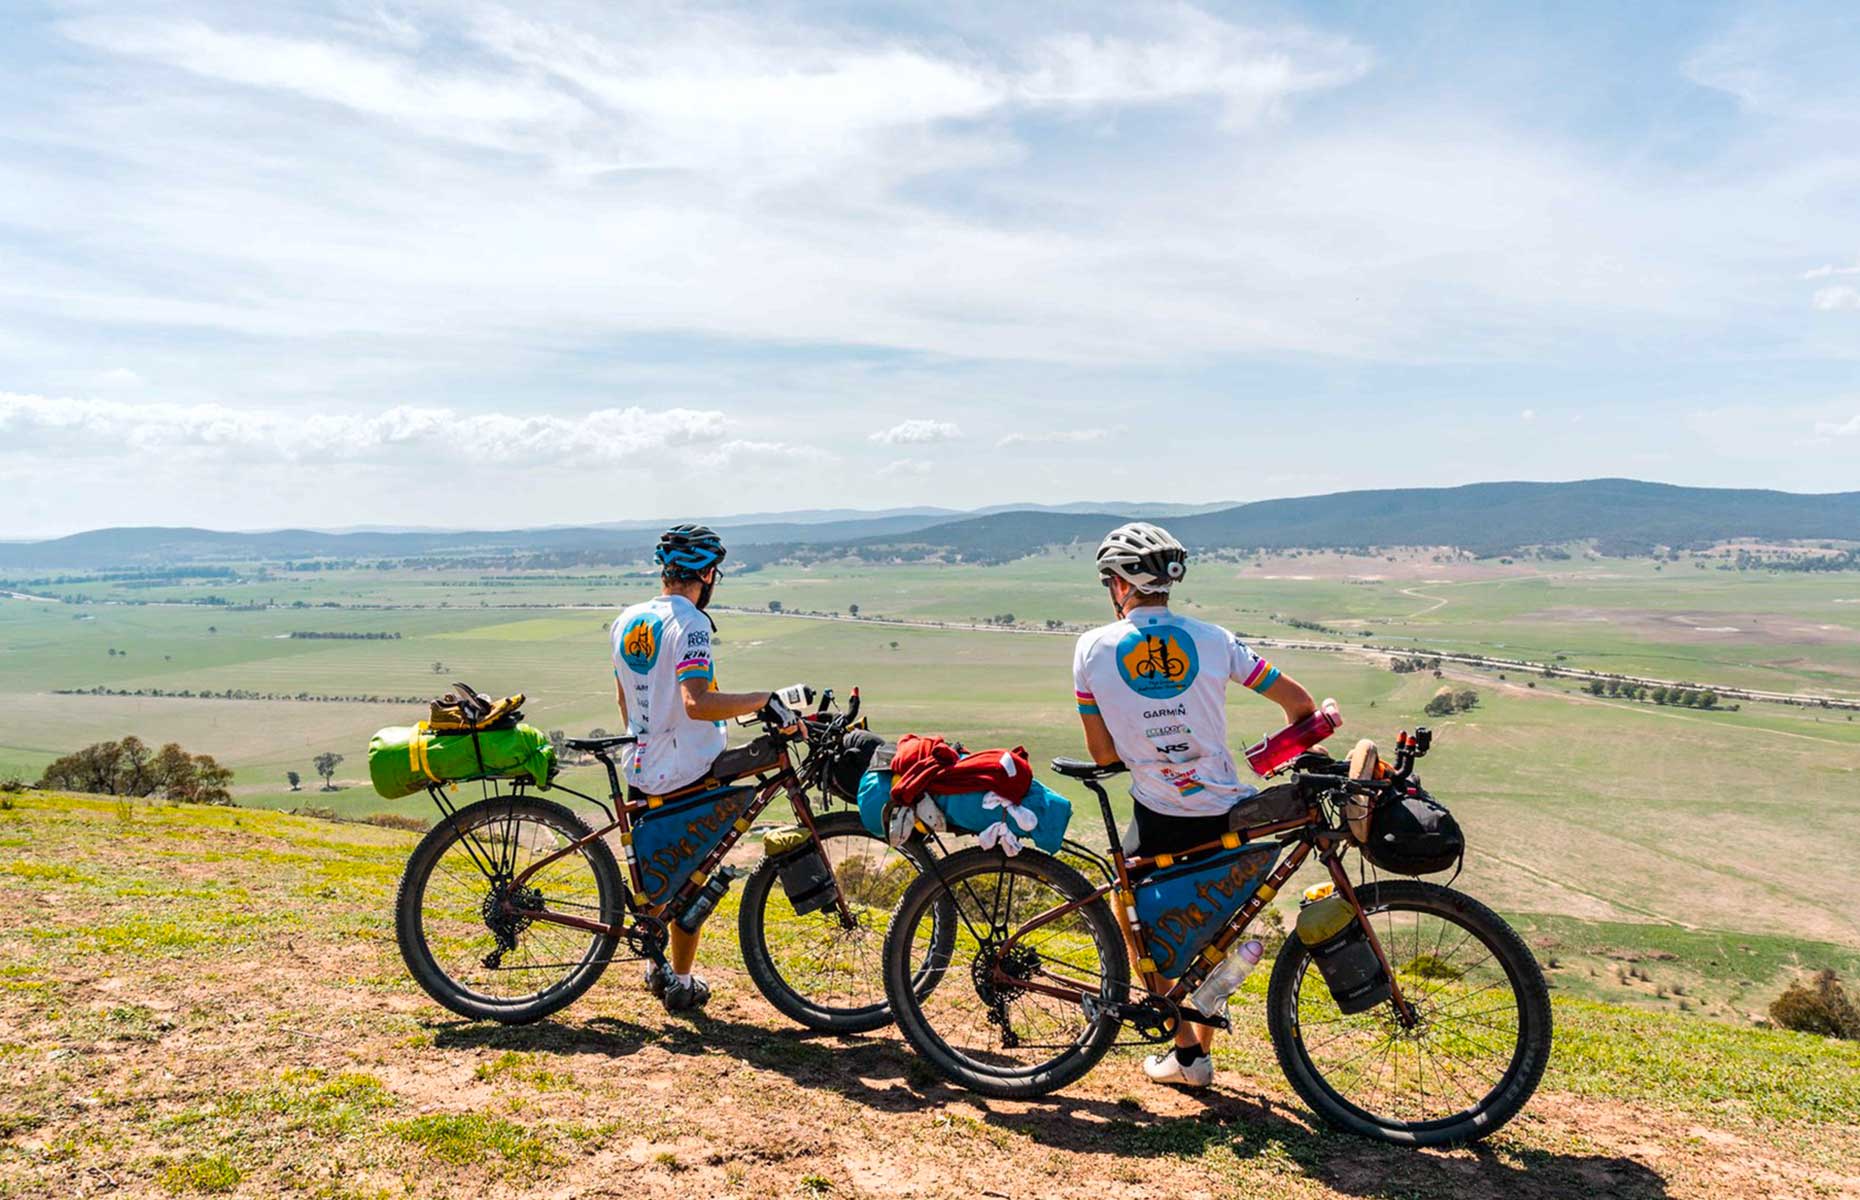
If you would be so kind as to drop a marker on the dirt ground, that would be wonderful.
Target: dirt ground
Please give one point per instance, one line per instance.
(736, 1102)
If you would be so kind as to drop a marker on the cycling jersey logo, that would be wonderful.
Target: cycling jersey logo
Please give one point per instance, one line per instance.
(639, 643)
(1157, 660)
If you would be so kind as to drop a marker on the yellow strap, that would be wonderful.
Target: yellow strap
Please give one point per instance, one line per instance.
(416, 753)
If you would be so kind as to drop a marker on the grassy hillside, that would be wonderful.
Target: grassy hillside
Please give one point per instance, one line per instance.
(209, 1002)
(1622, 516)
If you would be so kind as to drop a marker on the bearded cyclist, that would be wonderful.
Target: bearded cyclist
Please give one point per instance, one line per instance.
(1152, 692)
(665, 682)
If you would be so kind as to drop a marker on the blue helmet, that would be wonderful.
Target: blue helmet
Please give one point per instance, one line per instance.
(687, 551)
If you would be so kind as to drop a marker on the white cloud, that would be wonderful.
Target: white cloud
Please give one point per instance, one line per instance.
(1837, 298)
(1063, 437)
(918, 431)
(1528, 415)
(605, 436)
(1828, 270)
(118, 377)
(1848, 428)
(903, 466)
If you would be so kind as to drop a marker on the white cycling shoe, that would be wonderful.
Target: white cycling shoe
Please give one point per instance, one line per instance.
(1163, 1068)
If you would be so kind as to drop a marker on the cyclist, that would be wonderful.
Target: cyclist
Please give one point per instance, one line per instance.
(1152, 691)
(666, 685)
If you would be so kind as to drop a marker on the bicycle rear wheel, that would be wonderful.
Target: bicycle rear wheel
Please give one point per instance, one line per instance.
(1474, 1057)
(989, 1034)
(481, 961)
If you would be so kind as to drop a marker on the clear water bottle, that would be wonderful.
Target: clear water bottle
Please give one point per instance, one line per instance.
(1226, 978)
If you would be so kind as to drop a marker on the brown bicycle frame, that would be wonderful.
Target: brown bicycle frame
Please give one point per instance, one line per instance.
(783, 779)
(1124, 900)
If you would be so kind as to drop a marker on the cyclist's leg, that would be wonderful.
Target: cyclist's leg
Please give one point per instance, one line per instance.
(683, 949)
(1161, 833)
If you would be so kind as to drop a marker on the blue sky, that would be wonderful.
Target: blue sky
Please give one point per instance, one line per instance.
(279, 264)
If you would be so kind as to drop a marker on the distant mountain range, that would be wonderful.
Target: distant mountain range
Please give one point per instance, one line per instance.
(1618, 516)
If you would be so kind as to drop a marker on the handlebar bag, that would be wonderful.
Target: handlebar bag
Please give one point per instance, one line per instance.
(1182, 907)
(966, 813)
(671, 840)
(404, 759)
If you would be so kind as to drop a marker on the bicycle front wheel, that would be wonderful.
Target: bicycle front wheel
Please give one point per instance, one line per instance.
(969, 1009)
(820, 968)
(1479, 1044)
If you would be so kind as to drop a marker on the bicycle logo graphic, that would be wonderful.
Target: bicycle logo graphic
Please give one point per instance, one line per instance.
(1159, 661)
(639, 644)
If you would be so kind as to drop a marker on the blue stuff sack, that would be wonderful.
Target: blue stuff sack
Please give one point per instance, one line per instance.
(1052, 812)
(670, 841)
(1183, 907)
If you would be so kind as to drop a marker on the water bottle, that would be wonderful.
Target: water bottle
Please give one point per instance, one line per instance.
(1282, 747)
(700, 906)
(1226, 978)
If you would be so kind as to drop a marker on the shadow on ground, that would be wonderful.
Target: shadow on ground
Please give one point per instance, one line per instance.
(884, 1076)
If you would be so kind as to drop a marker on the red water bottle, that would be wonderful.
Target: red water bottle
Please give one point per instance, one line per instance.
(1282, 747)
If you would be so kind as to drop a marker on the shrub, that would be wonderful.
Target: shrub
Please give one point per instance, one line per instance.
(399, 821)
(1819, 1005)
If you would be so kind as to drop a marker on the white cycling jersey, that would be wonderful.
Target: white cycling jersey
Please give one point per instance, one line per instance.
(657, 646)
(1159, 680)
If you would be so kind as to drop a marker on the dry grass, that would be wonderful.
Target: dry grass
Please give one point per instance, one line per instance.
(209, 1002)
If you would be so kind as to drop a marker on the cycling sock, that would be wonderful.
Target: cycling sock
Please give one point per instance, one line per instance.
(1186, 1055)
(683, 980)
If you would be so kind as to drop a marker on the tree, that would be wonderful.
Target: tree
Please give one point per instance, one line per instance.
(325, 765)
(559, 739)
(1466, 700)
(133, 761)
(1595, 687)
(212, 782)
(1709, 699)
(439, 668)
(295, 779)
(852, 610)
(774, 606)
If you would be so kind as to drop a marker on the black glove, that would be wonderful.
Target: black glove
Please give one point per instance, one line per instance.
(778, 714)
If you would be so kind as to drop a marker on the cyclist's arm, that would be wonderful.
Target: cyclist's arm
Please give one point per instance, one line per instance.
(702, 704)
(1098, 741)
(1290, 696)
(626, 722)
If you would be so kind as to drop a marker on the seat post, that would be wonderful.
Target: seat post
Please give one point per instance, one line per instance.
(1110, 819)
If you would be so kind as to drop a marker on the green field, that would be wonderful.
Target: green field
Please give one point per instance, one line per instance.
(1648, 828)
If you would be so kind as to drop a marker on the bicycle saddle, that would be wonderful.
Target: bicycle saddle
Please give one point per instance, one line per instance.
(595, 745)
(1084, 768)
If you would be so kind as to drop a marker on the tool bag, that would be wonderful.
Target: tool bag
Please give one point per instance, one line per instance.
(969, 812)
(404, 759)
(671, 840)
(1184, 906)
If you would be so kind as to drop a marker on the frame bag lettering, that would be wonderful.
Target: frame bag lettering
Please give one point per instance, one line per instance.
(1183, 907)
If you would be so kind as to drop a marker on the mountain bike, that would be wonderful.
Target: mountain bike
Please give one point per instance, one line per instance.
(512, 907)
(1035, 988)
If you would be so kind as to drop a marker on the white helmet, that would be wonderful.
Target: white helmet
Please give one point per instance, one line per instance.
(1143, 555)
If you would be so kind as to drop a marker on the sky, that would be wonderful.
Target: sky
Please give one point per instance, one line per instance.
(472, 264)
